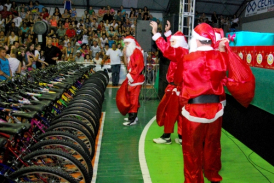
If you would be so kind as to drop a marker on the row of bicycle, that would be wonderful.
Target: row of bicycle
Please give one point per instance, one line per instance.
(49, 121)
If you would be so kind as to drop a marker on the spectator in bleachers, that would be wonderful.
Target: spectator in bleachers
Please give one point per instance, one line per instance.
(214, 19)
(3, 38)
(61, 32)
(12, 38)
(87, 23)
(85, 37)
(123, 11)
(107, 25)
(2, 23)
(111, 10)
(67, 4)
(87, 58)
(5, 13)
(90, 11)
(5, 71)
(85, 15)
(114, 24)
(234, 22)
(53, 23)
(44, 14)
(31, 6)
(111, 32)
(14, 63)
(93, 16)
(101, 13)
(103, 41)
(71, 33)
(145, 17)
(118, 16)
(94, 49)
(14, 29)
(65, 14)
(57, 12)
(105, 49)
(79, 57)
(73, 12)
(110, 41)
(8, 5)
(108, 16)
(1, 6)
(39, 6)
(132, 18)
(52, 53)
(94, 24)
(17, 20)
(97, 60)
(69, 49)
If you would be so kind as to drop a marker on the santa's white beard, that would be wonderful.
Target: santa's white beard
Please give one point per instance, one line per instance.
(130, 48)
(192, 45)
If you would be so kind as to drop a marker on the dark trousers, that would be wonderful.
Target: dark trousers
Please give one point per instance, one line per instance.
(115, 72)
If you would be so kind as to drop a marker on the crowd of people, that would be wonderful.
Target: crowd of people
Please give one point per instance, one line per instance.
(227, 23)
(73, 36)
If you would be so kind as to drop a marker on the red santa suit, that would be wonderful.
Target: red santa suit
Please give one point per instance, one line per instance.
(127, 98)
(203, 74)
(168, 111)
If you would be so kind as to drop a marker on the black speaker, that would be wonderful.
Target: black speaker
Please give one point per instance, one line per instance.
(144, 35)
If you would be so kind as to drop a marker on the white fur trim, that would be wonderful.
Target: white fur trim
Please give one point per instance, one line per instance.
(176, 91)
(197, 36)
(168, 33)
(156, 36)
(218, 36)
(136, 84)
(129, 40)
(223, 102)
(130, 79)
(186, 114)
(180, 42)
(204, 48)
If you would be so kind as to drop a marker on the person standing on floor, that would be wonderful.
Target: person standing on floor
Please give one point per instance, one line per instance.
(203, 75)
(127, 98)
(115, 61)
(168, 111)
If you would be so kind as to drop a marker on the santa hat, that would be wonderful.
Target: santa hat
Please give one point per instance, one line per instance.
(131, 39)
(204, 32)
(180, 40)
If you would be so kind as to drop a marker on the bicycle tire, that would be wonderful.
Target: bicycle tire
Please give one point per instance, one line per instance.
(91, 108)
(73, 139)
(77, 151)
(67, 126)
(57, 153)
(41, 169)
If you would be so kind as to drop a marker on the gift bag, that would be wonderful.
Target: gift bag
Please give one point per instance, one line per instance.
(122, 98)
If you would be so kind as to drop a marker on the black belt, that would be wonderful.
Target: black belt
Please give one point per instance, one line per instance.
(172, 83)
(203, 99)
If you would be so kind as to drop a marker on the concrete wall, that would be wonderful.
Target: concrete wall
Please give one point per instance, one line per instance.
(258, 23)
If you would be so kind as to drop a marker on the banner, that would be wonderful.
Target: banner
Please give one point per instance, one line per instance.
(259, 6)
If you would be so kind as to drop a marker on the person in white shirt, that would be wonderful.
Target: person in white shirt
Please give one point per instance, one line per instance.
(14, 63)
(8, 5)
(95, 48)
(115, 61)
(103, 41)
(17, 20)
(97, 60)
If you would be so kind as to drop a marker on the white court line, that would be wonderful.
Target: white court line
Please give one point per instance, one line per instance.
(96, 162)
(142, 157)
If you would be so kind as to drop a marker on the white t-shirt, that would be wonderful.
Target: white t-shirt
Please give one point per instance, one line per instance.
(8, 6)
(85, 39)
(14, 63)
(114, 56)
(98, 62)
(103, 42)
(95, 50)
(36, 52)
(17, 21)
(1, 7)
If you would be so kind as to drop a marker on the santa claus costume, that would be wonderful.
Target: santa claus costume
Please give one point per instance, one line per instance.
(203, 74)
(127, 98)
(168, 111)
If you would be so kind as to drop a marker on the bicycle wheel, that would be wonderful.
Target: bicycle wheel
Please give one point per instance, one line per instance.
(88, 120)
(64, 136)
(90, 108)
(78, 131)
(66, 147)
(41, 174)
(56, 158)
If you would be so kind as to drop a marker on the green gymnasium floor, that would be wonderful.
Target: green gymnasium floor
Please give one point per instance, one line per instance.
(121, 152)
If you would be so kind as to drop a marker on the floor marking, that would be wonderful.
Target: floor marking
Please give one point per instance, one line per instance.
(98, 148)
(142, 157)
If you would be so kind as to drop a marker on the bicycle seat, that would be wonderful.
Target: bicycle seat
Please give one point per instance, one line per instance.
(24, 126)
(51, 97)
(38, 107)
(46, 103)
(13, 129)
(28, 115)
(3, 141)
(60, 85)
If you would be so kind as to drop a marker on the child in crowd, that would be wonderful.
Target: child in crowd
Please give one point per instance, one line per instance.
(87, 58)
